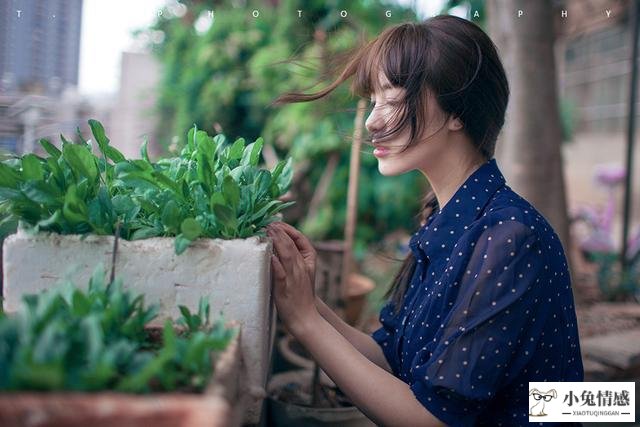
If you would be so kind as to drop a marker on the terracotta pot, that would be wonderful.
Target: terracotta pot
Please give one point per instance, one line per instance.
(221, 405)
(359, 287)
(294, 354)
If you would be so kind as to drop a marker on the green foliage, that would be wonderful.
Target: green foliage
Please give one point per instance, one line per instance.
(614, 283)
(226, 75)
(69, 339)
(211, 189)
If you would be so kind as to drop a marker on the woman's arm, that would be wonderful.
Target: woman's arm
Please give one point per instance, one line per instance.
(384, 398)
(364, 343)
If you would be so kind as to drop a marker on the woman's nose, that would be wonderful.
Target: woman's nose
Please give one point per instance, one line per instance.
(373, 122)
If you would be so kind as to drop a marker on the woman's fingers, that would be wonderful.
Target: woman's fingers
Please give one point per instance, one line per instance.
(277, 269)
(303, 245)
(286, 250)
(301, 241)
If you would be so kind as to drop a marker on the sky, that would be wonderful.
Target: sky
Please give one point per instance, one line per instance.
(106, 33)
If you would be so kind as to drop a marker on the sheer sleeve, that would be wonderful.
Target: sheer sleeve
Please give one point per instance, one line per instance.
(386, 334)
(493, 327)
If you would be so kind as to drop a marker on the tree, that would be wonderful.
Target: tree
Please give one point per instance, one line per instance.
(530, 151)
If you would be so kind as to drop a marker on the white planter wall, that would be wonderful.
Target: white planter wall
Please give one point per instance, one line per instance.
(234, 274)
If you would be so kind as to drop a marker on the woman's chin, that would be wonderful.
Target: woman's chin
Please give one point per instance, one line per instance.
(387, 169)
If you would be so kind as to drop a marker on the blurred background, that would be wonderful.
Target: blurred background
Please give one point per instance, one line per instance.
(153, 68)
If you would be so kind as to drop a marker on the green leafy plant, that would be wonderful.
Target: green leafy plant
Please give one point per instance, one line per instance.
(69, 339)
(213, 188)
(244, 65)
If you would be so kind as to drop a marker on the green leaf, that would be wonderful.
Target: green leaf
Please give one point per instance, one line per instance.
(8, 176)
(41, 192)
(205, 173)
(201, 139)
(74, 209)
(186, 314)
(171, 216)
(225, 215)
(32, 167)
(80, 303)
(181, 244)
(113, 154)
(80, 137)
(231, 192)
(216, 199)
(237, 149)
(262, 184)
(166, 182)
(143, 150)
(65, 140)
(80, 160)
(256, 150)
(11, 194)
(203, 309)
(126, 207)
(49, 222)
(191, 228)
(99, 134)
(145, 233)
(51, 149)
(191, 138)
(277, 170)
(284, 180)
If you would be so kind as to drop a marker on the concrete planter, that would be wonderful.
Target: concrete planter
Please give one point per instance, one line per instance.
(233, 274)
(219, 406)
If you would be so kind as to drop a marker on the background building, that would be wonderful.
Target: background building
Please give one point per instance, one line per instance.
(39, 45)
(594, 67)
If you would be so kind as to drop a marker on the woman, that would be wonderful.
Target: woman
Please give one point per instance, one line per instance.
(483, 303)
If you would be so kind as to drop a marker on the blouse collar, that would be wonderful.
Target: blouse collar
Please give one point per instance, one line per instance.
(445, 226)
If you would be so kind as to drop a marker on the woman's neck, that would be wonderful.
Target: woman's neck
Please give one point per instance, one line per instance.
(448, 175)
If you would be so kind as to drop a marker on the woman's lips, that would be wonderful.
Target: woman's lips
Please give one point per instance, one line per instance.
(380, 151)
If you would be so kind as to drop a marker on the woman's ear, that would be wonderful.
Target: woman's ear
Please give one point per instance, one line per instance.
(455, 123)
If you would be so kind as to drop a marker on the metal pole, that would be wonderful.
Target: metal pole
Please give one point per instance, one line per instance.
(630, 135)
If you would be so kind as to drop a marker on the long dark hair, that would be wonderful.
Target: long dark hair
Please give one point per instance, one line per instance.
(449, 57)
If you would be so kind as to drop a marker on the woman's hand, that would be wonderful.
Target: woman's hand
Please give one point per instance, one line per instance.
(293, 270)
(304, 246)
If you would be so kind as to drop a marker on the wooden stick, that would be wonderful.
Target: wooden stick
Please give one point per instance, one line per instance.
(352, 203)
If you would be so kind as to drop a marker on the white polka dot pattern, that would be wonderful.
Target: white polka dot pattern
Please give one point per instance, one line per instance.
(489, 307)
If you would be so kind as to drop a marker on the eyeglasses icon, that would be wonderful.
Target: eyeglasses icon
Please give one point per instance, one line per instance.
(546, 398)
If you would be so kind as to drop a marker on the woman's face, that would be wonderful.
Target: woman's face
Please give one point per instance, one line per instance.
(391, 161)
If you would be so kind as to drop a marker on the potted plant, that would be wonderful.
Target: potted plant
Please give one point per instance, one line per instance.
(189, 226)
(79, 358)
(307, 397)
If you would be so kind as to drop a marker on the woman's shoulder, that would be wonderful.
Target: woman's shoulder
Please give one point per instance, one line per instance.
(507, 206)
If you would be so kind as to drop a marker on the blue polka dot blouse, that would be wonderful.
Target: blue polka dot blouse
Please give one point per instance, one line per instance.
(488, 308)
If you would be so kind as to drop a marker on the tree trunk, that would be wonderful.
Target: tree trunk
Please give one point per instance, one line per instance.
(530, 152)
